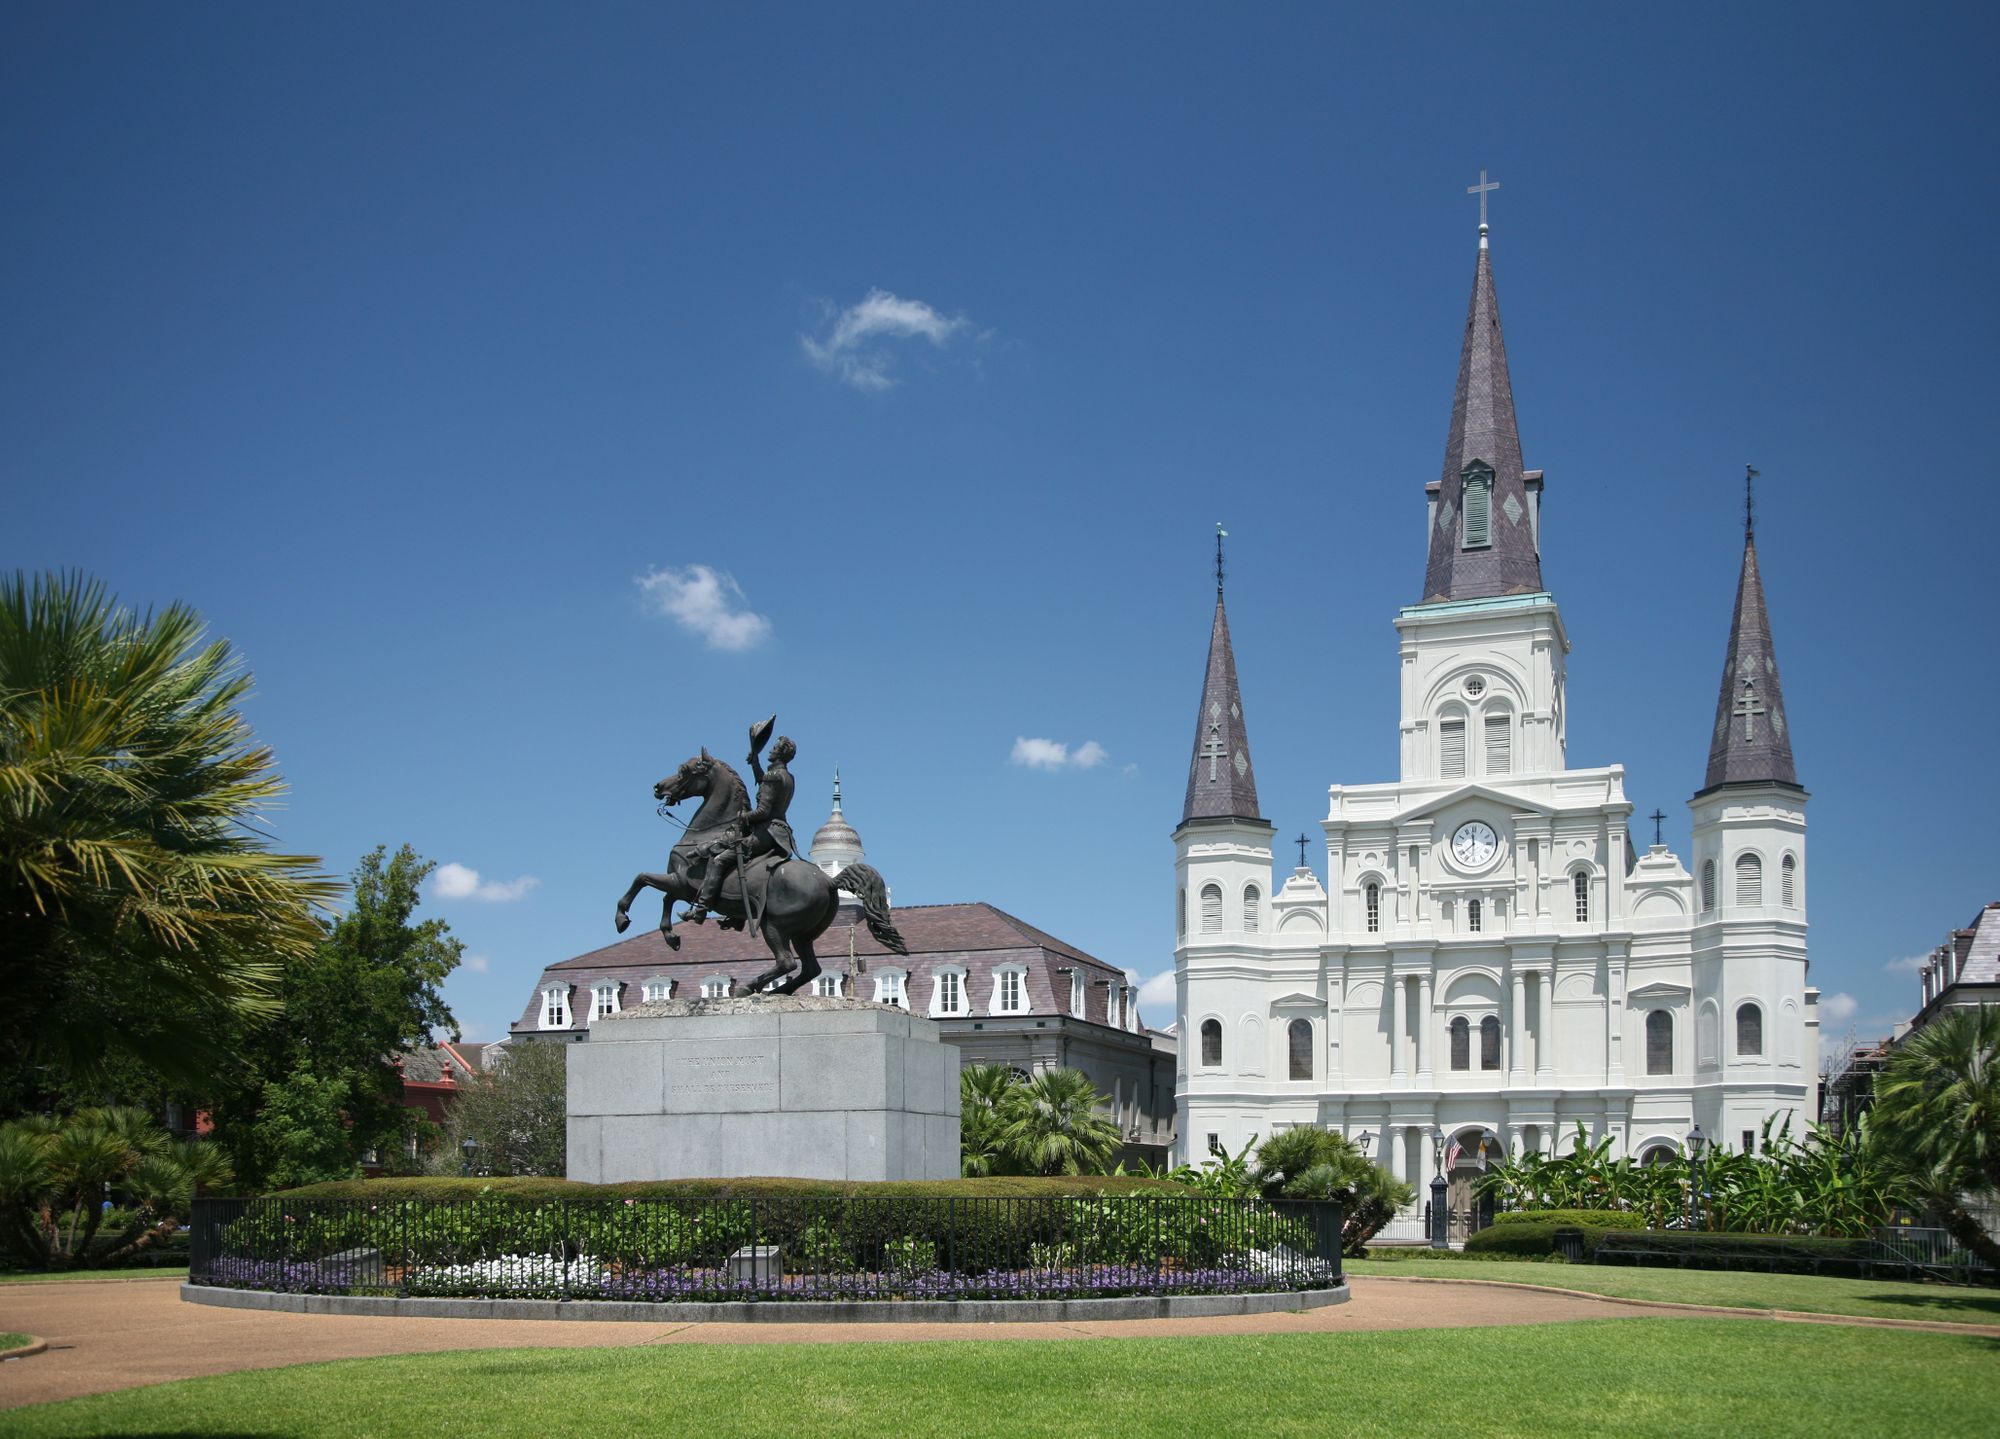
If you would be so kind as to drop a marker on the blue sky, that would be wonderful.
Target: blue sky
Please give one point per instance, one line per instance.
(428, 349)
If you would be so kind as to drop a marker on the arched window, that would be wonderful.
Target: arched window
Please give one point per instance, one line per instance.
(603, 1000)
(1749, 879)
(1451, 747)
(555, 1007)
(1788, 882)
(1489, 1043)
(1708, 887)
(656, 989)
(1374, 898)
(1472, 915)
(1476, 496)
(716, 986)
(1180, 913)
(948, 992)
(827, 986)
(1250, 899)
(1211, 909)
(1461, 1043)
(1299, 1039)
(1211, 1043)
(892, 987)
(1499, 731)
(1658, 1154)
(1659, 1042)
(1580, 882)
(1749, 1030)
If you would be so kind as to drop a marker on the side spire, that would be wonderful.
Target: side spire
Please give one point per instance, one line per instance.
(1485, 521)
(1221, 782)
(1752, 743)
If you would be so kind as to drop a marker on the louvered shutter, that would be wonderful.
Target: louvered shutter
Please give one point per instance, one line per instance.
(1451, 749)
(1211, 909)
(1499, 744)
(1749, 880)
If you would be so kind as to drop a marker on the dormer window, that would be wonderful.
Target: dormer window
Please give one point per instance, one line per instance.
(1476, 507)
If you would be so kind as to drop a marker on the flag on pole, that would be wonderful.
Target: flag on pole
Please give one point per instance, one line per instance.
(1452, 1154)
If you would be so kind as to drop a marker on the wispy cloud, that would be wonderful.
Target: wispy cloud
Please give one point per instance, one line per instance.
(707, 603)
(457, 881)
(1908, 964)
(1838, 1007)
(857, 346)
(477, 963)
(1049, 754)
(1157, 995)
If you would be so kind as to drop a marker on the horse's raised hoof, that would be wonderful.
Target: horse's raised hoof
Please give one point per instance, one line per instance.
(624, 921)
(673, 940)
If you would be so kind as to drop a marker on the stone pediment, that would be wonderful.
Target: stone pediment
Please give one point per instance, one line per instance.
(1658, 989)
(1296, 1000)
(1512, 803)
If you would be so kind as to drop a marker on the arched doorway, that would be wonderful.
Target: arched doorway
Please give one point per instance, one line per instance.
(1469, 1156)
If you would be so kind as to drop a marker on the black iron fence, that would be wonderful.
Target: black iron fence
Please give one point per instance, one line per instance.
(773, 1247)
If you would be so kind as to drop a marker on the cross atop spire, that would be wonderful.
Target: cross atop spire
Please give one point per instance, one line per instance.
(1485, 185)
(1752, 740)
(1750, 473)
(1221, 783)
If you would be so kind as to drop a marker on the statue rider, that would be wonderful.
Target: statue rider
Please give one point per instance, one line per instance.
(759, 832)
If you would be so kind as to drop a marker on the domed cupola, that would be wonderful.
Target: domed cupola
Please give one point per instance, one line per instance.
(836, 845)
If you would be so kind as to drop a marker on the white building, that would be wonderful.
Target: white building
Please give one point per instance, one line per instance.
(1487, 956)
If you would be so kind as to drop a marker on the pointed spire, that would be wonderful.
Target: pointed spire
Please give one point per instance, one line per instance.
(1752, 743)
(1495, 550)
(836, 789)
(1221, 782)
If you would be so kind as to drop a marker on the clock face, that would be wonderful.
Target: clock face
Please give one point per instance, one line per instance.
(1475, 844)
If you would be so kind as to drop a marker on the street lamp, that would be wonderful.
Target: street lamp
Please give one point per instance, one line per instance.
(1440, 1211)
(468, 1147)
(1696, 1142)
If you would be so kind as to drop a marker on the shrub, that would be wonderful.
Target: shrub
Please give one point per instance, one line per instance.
(1536, 1239)
(1776, 1253)
(1596, 1217)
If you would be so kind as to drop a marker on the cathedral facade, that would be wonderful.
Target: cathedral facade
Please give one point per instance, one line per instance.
(1488, 963)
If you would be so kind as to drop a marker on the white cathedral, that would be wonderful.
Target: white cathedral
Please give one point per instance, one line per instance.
(1489, 961)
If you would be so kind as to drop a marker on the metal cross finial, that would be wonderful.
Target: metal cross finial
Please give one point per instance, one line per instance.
(1481, 190)
(1220, 535)
(1302, 849)
(1750, 473)
(1658, 818)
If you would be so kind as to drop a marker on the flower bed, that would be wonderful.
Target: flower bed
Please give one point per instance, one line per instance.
(769, 1248)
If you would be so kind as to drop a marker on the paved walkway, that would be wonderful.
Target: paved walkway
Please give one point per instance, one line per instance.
(118, 1335)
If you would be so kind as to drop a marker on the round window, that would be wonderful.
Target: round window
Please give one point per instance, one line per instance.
(1475, 687)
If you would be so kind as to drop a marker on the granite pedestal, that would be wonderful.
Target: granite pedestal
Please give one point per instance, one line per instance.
(797, 1087)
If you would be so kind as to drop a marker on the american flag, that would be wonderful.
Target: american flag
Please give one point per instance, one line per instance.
(1452, 1153)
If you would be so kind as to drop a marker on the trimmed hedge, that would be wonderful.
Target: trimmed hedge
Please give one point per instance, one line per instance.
(438, 1190)
(1536, 1239)
(1774, 1253)
(1592, 1218)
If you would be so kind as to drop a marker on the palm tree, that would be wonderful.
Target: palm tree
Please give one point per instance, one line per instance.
(1050, 1125)
(1937, 1115)
(140, 914)
(981, 1090)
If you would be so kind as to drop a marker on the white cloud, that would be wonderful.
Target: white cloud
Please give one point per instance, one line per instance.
(855, 347)
(1050, 754)
(477, 963)
(706, 603)
(457, 881)
(1157, 994)
(1838, 1007)
(1908, 964)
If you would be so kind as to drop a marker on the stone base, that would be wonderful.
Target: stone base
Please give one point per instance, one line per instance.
(779, 1086)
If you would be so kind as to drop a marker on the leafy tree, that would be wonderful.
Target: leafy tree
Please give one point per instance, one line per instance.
(56, 1174)
(516, 1112)
(141, 914)
(323, 1087)
(1050, 1125)
(1937, 1119)
(1306, 1162)
(982, 1088)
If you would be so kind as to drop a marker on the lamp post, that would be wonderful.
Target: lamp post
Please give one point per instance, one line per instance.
(1440, 1211)
(1696, 1142)
(468, 1147)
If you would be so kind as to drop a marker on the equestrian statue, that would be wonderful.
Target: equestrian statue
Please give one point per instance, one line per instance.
(737, 861)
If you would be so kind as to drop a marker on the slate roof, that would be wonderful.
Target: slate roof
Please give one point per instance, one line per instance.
(1222, 782)
(1752, 742)
(1978, 946)
(1483, 428)
(975, 937)
(439, 1063)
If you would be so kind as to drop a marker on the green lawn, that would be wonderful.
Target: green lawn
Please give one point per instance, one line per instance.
(12, 1341)
(1874, 1298)
(1640, 1376)
(32, 1276)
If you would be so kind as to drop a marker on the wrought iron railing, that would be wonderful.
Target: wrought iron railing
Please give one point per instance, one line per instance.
(776, 1247)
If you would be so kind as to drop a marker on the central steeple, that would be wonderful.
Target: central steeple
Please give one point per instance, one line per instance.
(1221, 783)
(1485, 508)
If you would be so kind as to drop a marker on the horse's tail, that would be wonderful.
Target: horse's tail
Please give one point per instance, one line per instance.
(862, 881)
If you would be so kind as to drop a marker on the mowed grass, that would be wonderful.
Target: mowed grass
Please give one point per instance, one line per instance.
(1809, 1293)
(13, 1341)
(71, 1276)
(1723, 1377)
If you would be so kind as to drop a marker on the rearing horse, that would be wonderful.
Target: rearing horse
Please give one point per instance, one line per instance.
(797, 901)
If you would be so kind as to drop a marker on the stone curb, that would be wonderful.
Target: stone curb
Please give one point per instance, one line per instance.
(1790, 1316)
(914, 1311)
(33, 1346)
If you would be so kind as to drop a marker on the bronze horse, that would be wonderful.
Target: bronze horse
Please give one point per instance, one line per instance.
(795, 899)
